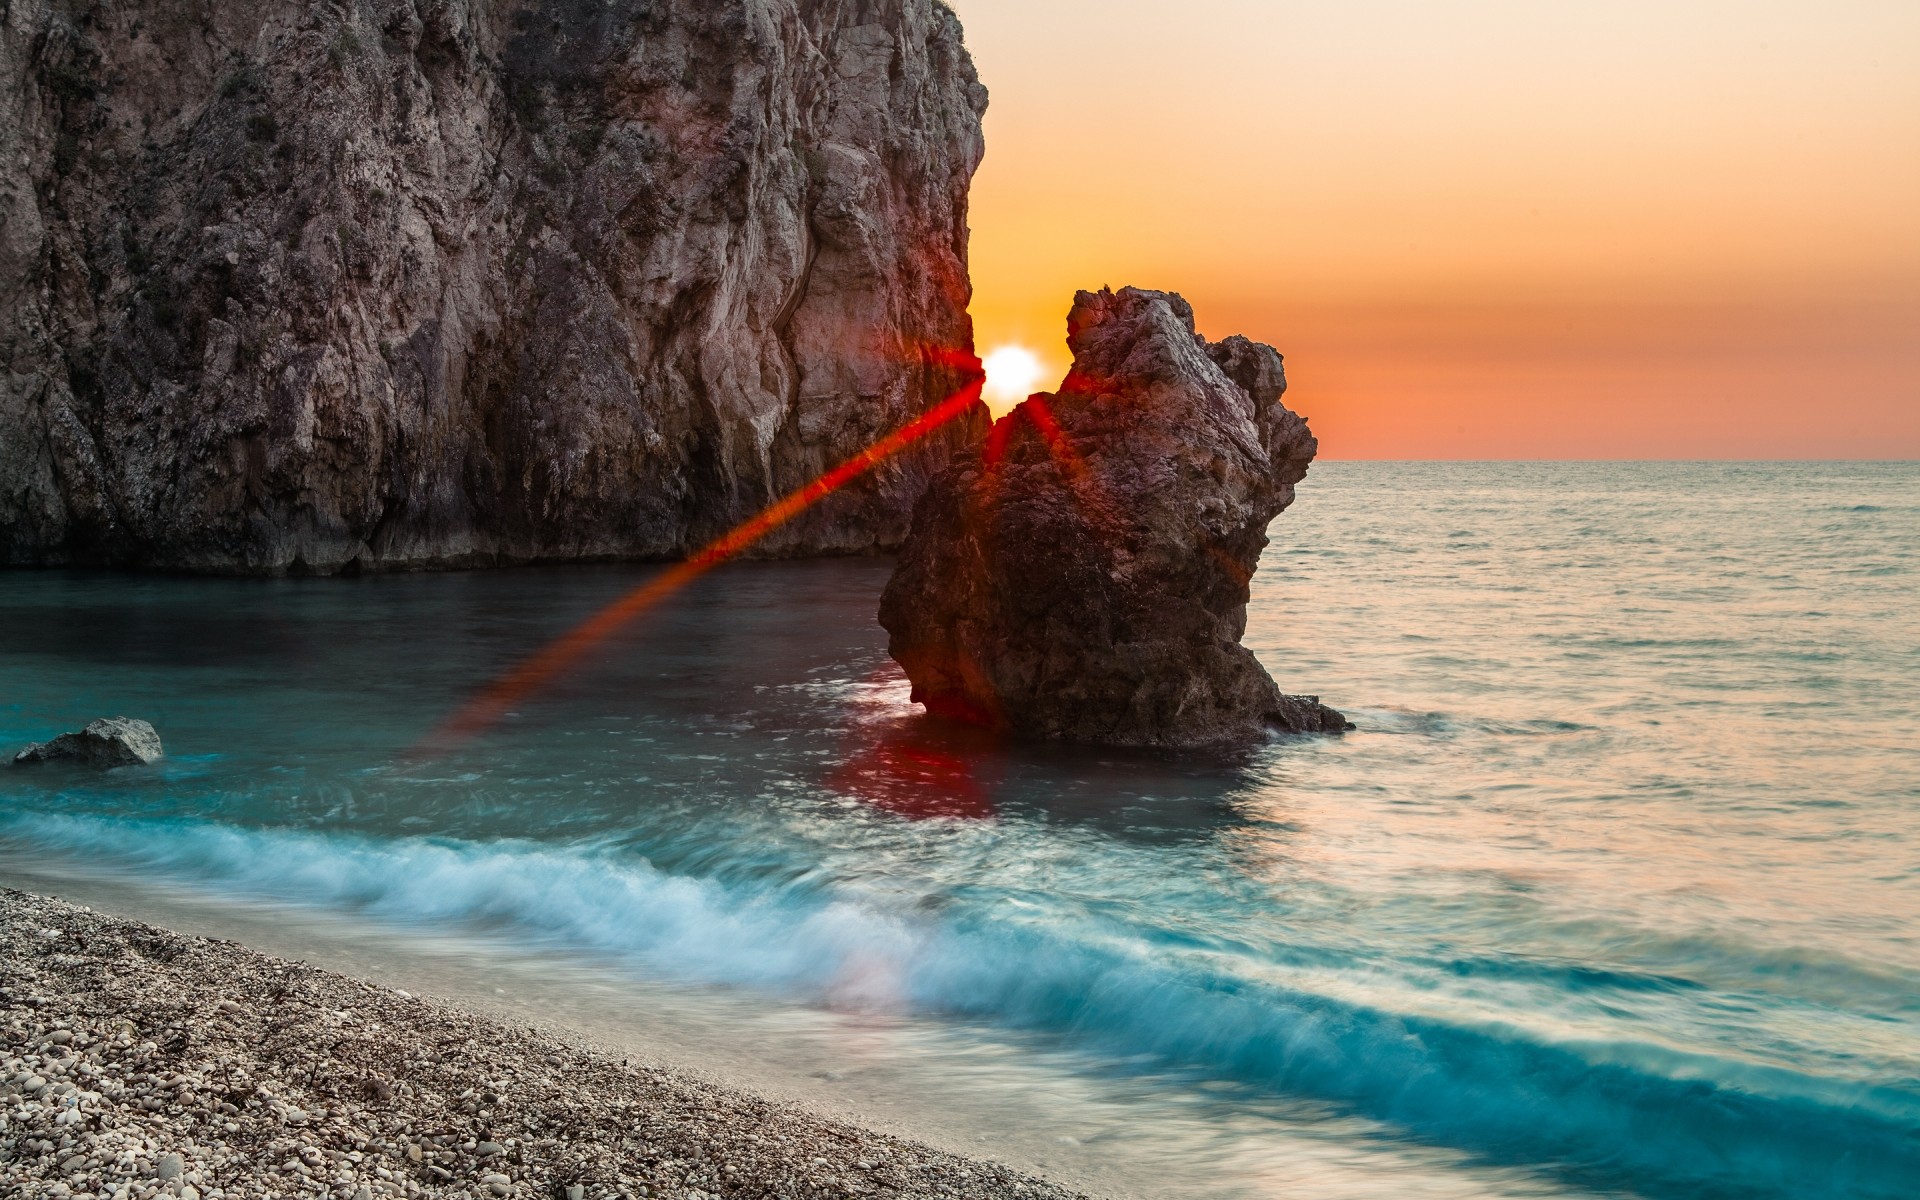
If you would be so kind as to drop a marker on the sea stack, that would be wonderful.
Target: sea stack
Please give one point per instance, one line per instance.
(1084, 575)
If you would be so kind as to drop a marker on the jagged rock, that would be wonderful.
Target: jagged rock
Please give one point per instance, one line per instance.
(311, 287)
(1085, 577)
(108, 742)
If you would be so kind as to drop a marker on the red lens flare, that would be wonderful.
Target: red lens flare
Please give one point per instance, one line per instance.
(996, 448)
(1036, 410)
(913, 767)
(964, 361)
(967, 696)
(1058, 445)
(910, 778)
(485, 710)
(922, 771)
(1086, 488)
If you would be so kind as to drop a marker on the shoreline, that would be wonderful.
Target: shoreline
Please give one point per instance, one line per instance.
(261, 1076)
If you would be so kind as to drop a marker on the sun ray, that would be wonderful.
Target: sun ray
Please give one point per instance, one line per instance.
(536, 673)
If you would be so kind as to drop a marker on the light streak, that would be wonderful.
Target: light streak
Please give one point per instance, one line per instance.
(501, 697)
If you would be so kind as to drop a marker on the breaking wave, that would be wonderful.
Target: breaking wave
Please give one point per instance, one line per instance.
(1679, 1123)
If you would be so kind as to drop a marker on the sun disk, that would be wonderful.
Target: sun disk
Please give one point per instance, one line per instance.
(1012, 374)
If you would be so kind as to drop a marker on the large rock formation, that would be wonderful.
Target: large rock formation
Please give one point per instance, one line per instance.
(1086, 577)
(294, 286)
(108, 742)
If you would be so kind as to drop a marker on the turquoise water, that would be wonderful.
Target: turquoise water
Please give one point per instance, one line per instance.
(1615, 891)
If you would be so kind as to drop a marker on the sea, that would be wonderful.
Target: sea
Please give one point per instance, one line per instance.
(1614, 891)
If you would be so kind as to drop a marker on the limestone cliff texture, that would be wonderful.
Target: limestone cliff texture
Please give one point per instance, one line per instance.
(1085, 576)
(288, 286)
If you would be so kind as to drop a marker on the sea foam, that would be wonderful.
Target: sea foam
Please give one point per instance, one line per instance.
(1682, 1123)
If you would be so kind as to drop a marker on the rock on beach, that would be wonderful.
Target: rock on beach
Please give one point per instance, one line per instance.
(108, 742)
(1085, 576)
(140, 1064)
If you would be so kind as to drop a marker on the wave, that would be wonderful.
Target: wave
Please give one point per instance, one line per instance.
(1655, 1119)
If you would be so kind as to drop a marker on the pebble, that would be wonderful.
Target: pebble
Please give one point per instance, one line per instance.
(258, 1088)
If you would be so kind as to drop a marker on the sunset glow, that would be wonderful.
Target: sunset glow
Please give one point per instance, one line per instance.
(990, 599)
(1013, 372)
(1482, 229)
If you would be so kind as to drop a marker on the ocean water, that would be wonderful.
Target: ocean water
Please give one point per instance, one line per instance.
(1614, 892)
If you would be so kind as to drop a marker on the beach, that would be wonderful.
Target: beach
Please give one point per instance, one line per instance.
(1610, 894)
(137, 1062)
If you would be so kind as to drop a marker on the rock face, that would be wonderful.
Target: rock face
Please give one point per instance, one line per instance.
(1086, 576)
(307, 287)
(108, 742)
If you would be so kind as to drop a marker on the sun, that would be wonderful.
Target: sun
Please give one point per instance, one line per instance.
(1012, 374)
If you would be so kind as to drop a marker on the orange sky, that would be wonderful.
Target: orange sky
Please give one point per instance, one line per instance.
(1483, 228)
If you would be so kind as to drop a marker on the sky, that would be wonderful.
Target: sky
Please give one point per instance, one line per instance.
(1482, 229)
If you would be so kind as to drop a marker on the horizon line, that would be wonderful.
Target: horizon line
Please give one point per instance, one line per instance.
(1896, 462)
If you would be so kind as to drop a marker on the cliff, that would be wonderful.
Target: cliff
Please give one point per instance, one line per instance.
(1085, 575)
(312, 287)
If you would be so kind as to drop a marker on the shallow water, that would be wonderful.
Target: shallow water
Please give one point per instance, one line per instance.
(1615, 890)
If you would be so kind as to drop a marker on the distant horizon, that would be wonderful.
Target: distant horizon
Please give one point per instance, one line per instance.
(1480, 230)
(1324, 459)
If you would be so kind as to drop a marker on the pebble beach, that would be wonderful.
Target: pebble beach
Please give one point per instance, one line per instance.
(138, 1063)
